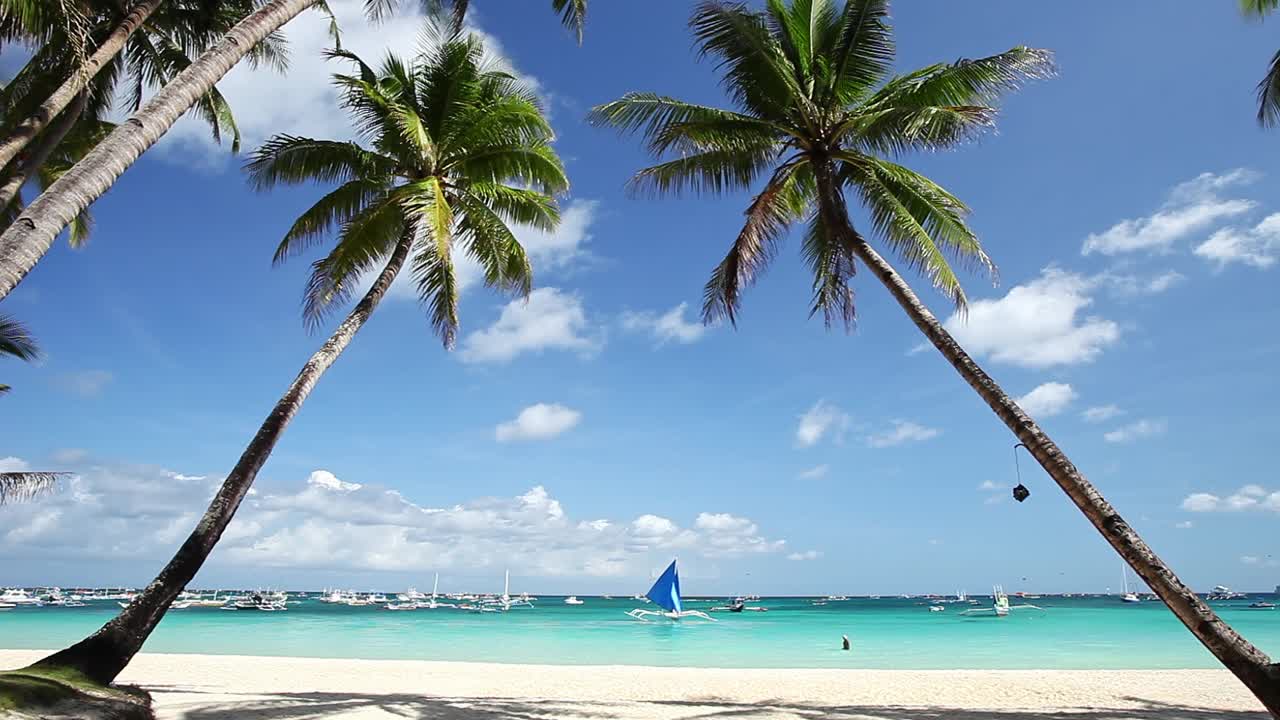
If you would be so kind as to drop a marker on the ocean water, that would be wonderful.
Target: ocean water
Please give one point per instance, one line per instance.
(1069, 633)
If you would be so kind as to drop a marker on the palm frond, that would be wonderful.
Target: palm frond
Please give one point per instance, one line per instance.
(520, 206)
(489, 240)
(573, 15)
(713, 172)
(332, 211)
(363, 241)
(863, 51)
(916, 216)
(16, 341)
(18, 486)
(291, 160)
(756, 72)
(438, 289)
(831, 260)
(783, 201)
(1258, 9)
(1269, 94)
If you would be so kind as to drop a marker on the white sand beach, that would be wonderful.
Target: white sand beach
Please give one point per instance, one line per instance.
(224, 687)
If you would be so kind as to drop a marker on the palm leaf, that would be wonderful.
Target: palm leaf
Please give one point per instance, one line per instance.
(16, 341)
(1269, 94)
(830, 257)
(18, 486)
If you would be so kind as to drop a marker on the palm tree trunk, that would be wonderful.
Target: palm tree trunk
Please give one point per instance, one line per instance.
(102, 655)
(32, 233)
(28, 166)
(1249, 664)
(25, 132)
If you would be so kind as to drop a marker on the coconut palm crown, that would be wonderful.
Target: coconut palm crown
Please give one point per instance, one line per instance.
(453, 149)
(817, 114)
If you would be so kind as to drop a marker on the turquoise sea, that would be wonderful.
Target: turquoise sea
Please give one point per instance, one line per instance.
(1070, 633)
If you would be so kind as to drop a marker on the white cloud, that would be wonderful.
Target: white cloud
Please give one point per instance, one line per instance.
(670, 326)
(815, 473)
(818, 421)
(806, 555)
(1192, 206)
(1135, 431)
(1048, 399)
(69, 456)
(141, 513)
(13, 465)
(1036, 325)
(903, 431)
(550, 319)
(1101, 413)
(1250, 559)
(991, 485)
(1249, 497)
(1127, 285)
(85, 383)
(1184, 525)
(538, 422)
(1258, 246)
(311, 109)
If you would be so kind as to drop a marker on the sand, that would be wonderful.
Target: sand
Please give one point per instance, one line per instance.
(225, 687)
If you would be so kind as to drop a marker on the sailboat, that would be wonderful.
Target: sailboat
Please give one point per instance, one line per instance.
(665, 593)
(1129, 597)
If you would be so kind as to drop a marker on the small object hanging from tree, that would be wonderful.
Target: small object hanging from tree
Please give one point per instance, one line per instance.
(1020, 492)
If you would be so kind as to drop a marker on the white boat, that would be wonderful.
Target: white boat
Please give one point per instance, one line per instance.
(7, 606)
(936, 608)
(1127, 597)
(1000, 606)
(665, 593)
(256, 601)
(17, 597)
(836, 598)
(572, 600)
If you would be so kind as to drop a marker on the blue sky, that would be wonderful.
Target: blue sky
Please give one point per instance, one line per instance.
(586, 437)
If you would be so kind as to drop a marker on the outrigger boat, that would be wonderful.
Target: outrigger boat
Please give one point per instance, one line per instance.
(665, 593)
(1000, 606)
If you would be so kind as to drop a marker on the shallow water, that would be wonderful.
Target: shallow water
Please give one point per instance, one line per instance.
(1069, 633)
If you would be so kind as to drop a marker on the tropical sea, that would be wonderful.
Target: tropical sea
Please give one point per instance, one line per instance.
(897, 633)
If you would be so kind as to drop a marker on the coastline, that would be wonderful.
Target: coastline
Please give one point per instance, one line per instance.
(222, 687)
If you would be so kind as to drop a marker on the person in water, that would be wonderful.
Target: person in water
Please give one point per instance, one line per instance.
(846, 641)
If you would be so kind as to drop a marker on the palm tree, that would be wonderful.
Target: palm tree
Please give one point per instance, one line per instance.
(28, 239)
(817, 115)
(453, 151)
(1269, 87)
(146, 45)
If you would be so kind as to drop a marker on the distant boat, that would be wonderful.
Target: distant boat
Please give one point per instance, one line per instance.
(1128, 597)
(665, 593)
(936, 608)
(1262, 605)
(572, 600)
(19, 597)
(1000, 606)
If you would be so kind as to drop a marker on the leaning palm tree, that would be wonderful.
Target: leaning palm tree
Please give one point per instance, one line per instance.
(29, 238)
(818, 117)
(454, 151)
(1269, 87)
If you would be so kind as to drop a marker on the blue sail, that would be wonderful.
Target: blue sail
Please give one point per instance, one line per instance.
(665, 593)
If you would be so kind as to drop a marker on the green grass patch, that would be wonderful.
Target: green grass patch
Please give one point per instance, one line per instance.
(32, 689)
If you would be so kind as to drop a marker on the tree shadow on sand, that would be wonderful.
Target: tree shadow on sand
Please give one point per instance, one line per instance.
(317, 705)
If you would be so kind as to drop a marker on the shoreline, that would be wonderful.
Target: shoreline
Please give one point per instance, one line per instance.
(222, 687)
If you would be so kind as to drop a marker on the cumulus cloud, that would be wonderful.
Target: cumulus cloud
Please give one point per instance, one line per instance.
(1249, 497)
(1038, 324)
(1184, 525)
(671, 326)
(1128, 285)
(13, 465)
(538, 422)
(819, 421)
(1048, 399)
(1101, 413)
(806, 555)
(1192, 206)
(1258, 246)
(550, 319)
(312, 107)
(815, 473)
(85, 383)
(902, 432)
(1136, 431)
(326, 523)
